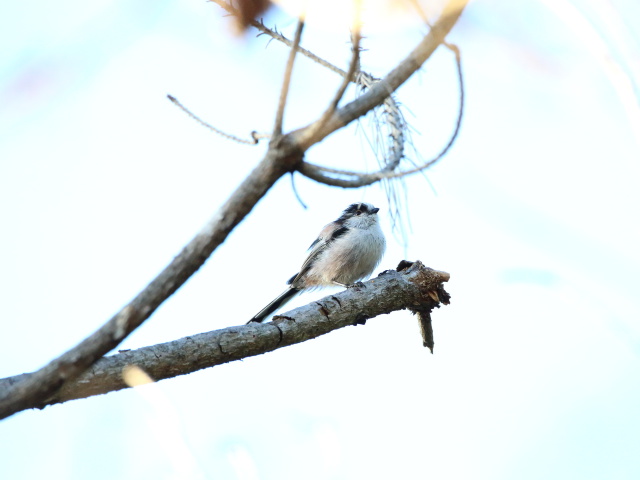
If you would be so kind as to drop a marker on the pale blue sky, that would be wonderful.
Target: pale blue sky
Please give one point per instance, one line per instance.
(534, 213)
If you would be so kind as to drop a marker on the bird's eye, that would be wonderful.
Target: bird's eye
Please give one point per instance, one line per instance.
(359, 212)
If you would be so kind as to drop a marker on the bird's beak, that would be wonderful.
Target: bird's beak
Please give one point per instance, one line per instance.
(375, 210)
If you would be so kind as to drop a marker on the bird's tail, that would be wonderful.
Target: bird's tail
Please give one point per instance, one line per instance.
(280, 300)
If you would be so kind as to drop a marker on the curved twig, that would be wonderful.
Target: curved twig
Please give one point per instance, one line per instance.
(295, 191)
(255, 136)
(349, 179)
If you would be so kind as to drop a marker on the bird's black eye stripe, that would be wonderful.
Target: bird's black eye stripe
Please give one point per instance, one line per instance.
(352, 210)
(355, 207)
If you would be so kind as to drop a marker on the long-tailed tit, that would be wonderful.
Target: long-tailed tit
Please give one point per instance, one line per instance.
(345, 252)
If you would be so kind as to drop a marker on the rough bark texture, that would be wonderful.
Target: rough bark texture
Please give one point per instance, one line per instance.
(390, 291)
(33, 389)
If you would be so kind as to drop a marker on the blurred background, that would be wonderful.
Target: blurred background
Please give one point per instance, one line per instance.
(534, 212)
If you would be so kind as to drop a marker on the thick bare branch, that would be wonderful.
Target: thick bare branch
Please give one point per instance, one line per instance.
(411, 288)
(35, 387)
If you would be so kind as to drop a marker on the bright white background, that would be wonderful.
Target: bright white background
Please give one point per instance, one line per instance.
(534, 213)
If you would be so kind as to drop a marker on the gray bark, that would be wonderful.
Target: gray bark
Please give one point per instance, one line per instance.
(35, 388)
(411, 288)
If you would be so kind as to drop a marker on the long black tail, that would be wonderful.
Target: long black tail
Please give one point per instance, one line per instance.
(280, 300)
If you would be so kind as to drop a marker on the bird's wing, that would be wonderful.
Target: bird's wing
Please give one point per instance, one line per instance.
(317, 248)
(328, 234)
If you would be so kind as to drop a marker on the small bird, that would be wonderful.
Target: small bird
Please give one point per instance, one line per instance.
(346, 251)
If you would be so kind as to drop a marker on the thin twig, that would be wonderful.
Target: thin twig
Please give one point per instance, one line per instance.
(395, 121)
(360, 179)
(364, 79)
(396, 77)
(281, 38)
(354, 64)
(255, 136)
(348, 78)
(295, 191)
(421, 12)
(284, 92)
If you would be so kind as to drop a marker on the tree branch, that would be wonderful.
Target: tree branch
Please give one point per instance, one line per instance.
(31, 390)
(395, 122)
(353, 65)
(35, 387)
(278, 36)
(284, 92)
(346, 179)
(255, 136)
(381, 90)
(410, 288)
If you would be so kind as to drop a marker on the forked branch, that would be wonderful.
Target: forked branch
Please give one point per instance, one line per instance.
(283, 156)
(349, 179)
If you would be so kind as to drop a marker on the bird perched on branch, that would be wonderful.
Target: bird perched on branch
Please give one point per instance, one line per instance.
(346, 251)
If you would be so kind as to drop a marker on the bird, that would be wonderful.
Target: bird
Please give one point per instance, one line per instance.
(346, 251)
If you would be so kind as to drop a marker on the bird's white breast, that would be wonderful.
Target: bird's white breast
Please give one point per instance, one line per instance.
(350, 258)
